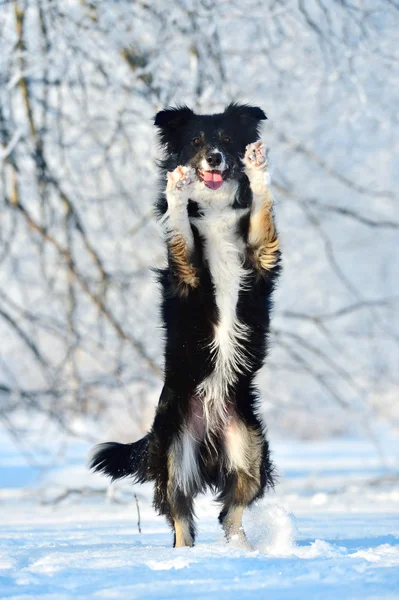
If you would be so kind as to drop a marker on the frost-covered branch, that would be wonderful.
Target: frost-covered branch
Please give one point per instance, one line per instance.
(81, 81)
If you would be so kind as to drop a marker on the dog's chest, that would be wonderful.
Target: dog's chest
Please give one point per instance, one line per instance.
(224, 253)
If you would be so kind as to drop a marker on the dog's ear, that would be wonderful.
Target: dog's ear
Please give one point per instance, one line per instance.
(249, 119)
(172, 118)
(245, 112)
(169, 122)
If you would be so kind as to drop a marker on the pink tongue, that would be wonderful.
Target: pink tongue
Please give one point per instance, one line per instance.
(213, 179)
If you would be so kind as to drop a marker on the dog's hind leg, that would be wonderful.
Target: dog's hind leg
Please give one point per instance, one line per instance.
(182, 515)
(243, 447)
(175, 460)
(184, 482)
(240, 490)
(231, 521)
(177, 507)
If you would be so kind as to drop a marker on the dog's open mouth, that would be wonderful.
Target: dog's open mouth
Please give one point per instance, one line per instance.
(212, 179)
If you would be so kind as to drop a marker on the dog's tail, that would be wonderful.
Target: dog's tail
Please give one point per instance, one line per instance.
(122, 460)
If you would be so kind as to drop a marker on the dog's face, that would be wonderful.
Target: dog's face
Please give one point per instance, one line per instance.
(213, 145)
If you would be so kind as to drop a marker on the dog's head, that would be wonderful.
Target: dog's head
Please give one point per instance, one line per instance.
(213, 145)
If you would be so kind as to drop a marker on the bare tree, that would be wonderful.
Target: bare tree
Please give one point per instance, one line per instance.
(80, 83)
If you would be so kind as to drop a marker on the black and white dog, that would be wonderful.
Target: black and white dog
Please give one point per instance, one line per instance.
(223, 262)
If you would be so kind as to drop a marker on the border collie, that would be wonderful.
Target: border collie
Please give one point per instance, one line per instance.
(223, 262)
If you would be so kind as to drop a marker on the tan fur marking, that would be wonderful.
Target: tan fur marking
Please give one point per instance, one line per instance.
(232, 523)
(248, 479)
(247, 487)
(186, 273)
(182, 531)
(243, 447)
(263, 237)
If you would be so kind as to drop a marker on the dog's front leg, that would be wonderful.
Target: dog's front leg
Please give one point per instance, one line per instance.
(262, 236)
(180, 235)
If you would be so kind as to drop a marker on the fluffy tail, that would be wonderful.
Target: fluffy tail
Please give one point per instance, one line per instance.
(122, 460)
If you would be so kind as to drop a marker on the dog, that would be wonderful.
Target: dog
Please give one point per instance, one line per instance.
(223, 250)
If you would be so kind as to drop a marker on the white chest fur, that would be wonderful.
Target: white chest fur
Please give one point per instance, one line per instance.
(224, 251)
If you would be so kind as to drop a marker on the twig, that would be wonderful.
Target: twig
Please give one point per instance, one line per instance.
(344, 212)
(300, 149)
(138, 513)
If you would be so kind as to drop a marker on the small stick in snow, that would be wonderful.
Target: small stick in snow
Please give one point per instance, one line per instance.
(138, 514)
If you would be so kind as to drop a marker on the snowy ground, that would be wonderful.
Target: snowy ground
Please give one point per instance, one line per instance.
(331, 530)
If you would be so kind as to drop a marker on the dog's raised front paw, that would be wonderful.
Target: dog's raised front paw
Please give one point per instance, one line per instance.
(180, 179)
(256, 156)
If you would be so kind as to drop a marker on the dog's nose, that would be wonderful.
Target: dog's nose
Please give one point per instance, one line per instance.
(214, 159)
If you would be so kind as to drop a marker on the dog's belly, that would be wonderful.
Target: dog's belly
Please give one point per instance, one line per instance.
(238, 448)
(224, 252)
(196, 421)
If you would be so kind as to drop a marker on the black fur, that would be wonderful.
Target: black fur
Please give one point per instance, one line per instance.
(189, 320)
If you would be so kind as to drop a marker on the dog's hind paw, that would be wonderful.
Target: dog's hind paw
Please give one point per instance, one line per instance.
(256, 156)
(239, 541)
(180, 178)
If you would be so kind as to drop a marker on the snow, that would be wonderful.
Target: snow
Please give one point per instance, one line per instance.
(329, 530)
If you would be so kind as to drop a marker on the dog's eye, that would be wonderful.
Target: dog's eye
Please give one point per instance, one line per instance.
(197, 141)
(226, 139)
